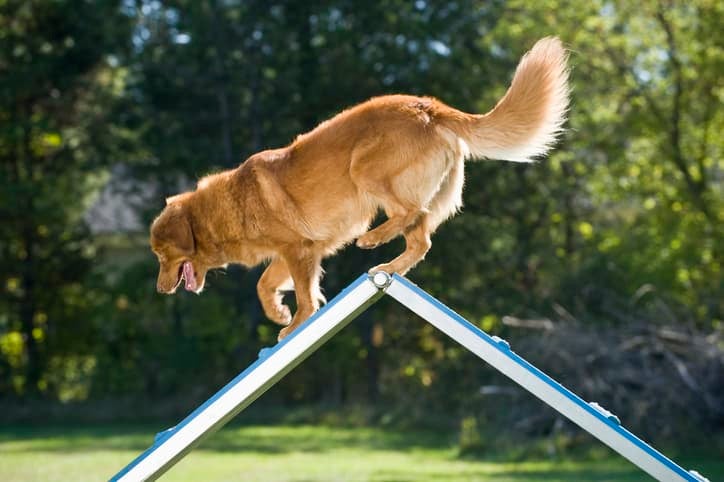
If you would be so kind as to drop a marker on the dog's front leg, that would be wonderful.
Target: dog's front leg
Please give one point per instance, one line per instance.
(305, 268)
(275, 279)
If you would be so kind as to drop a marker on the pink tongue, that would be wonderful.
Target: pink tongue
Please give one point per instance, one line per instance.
(189, 276)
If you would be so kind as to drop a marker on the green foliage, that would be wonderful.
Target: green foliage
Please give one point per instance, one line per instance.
(623, 220)
(58, 89)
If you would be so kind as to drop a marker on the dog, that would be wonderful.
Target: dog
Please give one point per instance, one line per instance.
(403, 154)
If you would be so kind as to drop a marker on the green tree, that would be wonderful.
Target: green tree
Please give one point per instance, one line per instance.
(58, 85)
(629, 207)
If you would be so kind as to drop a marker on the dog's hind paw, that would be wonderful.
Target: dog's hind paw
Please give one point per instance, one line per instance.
(367, 242)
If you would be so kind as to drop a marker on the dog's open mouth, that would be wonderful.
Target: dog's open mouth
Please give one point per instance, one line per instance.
(188, 276)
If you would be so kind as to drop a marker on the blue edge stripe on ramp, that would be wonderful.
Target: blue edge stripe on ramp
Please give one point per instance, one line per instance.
(499, 344)
(161, 437)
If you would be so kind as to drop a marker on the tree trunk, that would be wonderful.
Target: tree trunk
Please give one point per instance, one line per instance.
(300, 16)
(222, 81)
(26, 312)
(28, 304)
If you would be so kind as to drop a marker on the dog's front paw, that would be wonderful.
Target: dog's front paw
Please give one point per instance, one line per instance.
(281, 315)
(299, 317)
(284, 332)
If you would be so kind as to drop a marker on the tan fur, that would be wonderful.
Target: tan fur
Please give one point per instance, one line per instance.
(403, 154)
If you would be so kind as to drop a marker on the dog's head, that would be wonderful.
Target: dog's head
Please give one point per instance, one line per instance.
(173, 242)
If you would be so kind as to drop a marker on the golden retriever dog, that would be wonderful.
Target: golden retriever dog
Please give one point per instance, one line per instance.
(403, 154)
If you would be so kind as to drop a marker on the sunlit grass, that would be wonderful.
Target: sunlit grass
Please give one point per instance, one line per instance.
(292, 453)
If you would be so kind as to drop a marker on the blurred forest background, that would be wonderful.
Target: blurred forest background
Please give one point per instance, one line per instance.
(601, 264)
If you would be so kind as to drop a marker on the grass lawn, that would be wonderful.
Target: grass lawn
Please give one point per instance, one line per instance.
(296, 453)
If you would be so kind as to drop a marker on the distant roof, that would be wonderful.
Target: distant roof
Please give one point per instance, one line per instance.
(118, 207)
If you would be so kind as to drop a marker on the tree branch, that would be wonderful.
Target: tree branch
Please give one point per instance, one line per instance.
(625, 70)
(696, 188)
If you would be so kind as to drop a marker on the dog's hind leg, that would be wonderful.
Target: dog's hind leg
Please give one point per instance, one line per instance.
(398, 219)
(449, 198)
(446, 202)
(401, 182)
(417, 240)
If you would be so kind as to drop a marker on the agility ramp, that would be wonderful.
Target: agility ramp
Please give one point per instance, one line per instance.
(171, 445)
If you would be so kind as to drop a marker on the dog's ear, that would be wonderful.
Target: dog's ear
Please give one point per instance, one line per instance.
(174, 227)
(183, 233)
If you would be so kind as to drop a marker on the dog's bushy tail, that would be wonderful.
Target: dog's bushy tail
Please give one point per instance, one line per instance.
(527, 120)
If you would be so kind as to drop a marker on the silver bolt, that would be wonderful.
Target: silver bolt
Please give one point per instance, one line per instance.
(381, 279)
